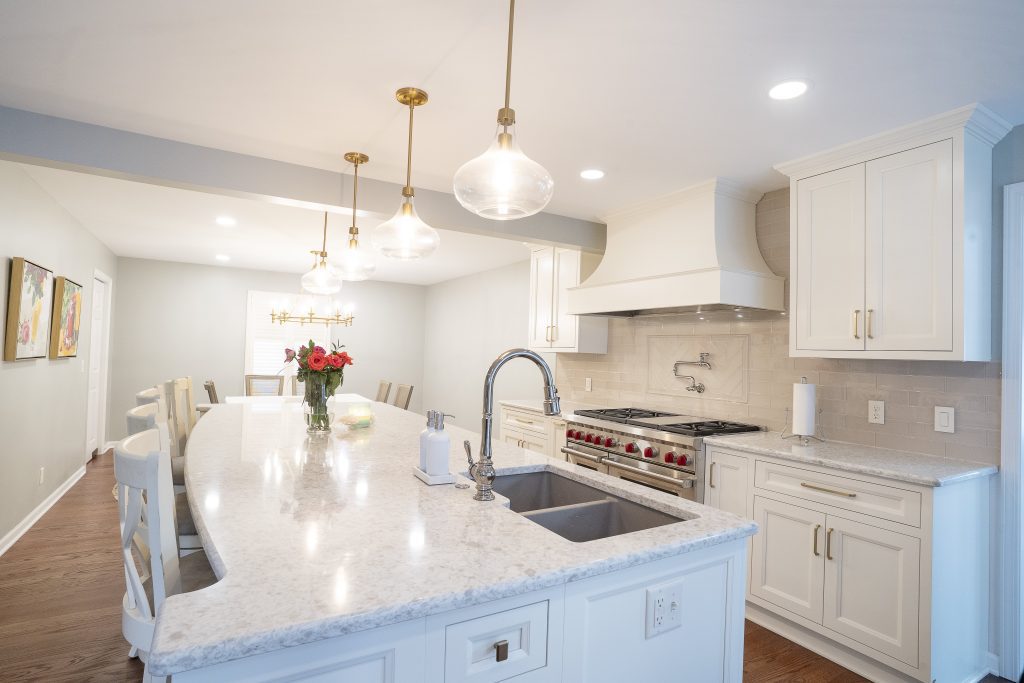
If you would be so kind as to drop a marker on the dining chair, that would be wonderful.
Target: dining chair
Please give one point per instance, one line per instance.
(264, 385)
(152, 569)
(147, 396)
(383, 390)
(211, 391)
(402, 396)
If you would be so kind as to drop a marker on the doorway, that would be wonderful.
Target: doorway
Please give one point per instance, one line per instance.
(99, 338)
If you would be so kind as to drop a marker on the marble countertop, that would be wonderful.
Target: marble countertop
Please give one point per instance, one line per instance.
(913, 468)
(313, 538)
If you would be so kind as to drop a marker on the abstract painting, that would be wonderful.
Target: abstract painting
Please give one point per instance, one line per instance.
(67, 318)
(29, 302)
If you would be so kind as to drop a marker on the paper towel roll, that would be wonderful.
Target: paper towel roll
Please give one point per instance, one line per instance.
(803, 409)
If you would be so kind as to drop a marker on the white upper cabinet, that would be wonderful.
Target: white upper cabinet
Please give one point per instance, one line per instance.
(553, 271)
(891, 243)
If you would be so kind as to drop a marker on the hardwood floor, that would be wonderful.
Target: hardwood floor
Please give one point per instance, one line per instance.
(62, 582)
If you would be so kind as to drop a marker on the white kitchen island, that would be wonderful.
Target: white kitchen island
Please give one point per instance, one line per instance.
(335, 563)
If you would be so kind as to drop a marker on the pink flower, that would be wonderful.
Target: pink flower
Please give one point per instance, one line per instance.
(289, 355)
(319, 349)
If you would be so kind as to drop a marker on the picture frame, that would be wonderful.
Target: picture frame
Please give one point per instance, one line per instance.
(29, 307)
(67, 318)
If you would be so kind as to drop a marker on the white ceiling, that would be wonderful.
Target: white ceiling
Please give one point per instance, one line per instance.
(169, 224)
(660, 93)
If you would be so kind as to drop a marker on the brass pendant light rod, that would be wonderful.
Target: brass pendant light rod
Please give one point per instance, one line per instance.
(412, 97)
(355, 158)
(507, 115)
(323, 247)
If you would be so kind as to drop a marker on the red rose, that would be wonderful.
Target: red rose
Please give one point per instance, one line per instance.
(317, 361)
(345, 358)
(335, 360)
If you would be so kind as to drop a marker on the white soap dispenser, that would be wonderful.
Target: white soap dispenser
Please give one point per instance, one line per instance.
(424, 437)
(438, 447)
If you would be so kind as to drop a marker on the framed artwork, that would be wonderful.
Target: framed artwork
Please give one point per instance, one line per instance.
(67, 318)
(29, 302)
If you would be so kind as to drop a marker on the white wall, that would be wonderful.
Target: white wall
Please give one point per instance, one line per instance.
(42, 402)
(184, 319)
(469, 321)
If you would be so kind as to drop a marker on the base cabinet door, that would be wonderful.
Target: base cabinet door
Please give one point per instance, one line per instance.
(872, 580)
(787, 558)
(727, 483)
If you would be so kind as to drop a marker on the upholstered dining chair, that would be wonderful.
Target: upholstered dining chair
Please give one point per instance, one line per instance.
(152, 568)
(383, 390)
(264, 385)
(402, 396)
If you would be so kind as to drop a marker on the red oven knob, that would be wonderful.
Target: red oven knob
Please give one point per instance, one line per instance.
(650, 452)
(569, 433)
(609, 442)
(632, 448)
(578, 435)
(682, 459)
(670, 457)
(589, 438)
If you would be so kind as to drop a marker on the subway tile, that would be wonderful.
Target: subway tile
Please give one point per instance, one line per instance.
(989, 456)
(909, 443)
(985, 386)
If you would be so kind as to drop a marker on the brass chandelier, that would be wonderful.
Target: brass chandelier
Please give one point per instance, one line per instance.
(343, 317)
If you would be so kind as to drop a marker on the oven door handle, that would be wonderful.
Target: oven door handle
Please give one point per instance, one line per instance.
(678, 483)
(581, 454)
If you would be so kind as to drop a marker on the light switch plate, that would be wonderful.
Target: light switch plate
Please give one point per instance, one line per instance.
(664, 608)
(588, 384)
(876, 412)
(944, 419)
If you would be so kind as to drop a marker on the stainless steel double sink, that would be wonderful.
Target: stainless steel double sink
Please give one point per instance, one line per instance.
(574, 510)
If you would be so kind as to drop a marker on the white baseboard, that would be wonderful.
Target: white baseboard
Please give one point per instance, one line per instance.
(108, 445)
(11, 537)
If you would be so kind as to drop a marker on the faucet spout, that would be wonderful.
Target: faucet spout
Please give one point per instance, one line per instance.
(483, 471)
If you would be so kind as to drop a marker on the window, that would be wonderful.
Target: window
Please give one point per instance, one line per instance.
(265, 341)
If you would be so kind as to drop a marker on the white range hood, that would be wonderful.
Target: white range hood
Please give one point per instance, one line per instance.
(692, 250)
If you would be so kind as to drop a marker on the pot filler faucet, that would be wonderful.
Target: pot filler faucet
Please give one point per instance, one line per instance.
(482, 471)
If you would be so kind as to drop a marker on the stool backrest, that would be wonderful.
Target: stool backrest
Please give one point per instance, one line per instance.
(141, 418)
(147, 396)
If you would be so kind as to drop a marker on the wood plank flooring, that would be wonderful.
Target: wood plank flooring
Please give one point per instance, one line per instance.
(61, 587)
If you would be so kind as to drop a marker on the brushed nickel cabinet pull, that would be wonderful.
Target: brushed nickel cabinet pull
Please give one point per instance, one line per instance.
(828, 544)
(870, 335)
(817, 528)
(834, 492)
(856, 323)
(711, 474)
(501, 651)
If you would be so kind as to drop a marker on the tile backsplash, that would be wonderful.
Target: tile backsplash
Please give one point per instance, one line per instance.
(752, 374)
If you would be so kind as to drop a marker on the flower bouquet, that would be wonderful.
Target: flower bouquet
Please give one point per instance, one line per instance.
(322, 373)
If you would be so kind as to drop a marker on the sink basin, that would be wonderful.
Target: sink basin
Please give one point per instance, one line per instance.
(576, 511)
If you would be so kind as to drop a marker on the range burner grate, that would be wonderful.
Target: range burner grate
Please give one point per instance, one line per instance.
(623, 415)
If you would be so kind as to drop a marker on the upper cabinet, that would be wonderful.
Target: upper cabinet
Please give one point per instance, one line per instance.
(891, 243)
(553, 271)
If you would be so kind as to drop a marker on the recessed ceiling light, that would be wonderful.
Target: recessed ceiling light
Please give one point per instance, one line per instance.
(592, 174)
(787, 90)
(226, 221)
(223, 258)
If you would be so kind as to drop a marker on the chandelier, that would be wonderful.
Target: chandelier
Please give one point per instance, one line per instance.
(337, 316)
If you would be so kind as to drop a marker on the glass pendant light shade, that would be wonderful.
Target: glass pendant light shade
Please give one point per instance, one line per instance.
(503, 183)
(356, 264)
(405, 236)
(323, 278)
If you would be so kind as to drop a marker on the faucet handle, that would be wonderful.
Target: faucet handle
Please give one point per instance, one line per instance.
(469, 455)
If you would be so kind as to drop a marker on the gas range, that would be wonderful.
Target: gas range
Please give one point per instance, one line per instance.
(656, 449)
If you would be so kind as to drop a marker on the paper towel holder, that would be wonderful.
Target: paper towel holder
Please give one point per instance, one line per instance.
(805, 440)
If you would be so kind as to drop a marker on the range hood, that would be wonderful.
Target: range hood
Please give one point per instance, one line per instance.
(692, 250)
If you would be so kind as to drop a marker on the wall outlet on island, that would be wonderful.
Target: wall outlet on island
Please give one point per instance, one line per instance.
(588, 384)
(664, 608)
(876, 412)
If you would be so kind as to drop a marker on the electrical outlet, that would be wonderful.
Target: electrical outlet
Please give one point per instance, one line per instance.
(876, 412)
(944, 419)
(42, 475)
(588, 384)
(664, 608)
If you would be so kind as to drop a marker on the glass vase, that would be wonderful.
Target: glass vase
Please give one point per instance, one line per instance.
(318, 419)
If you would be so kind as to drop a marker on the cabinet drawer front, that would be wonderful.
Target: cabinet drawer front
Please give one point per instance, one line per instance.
(884, 502)
(525, 421)
(527, 440)
(471, 652)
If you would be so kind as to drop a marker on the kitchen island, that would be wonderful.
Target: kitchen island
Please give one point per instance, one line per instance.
(335, 562)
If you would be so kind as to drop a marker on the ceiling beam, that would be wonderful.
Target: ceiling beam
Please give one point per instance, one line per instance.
(28, 137)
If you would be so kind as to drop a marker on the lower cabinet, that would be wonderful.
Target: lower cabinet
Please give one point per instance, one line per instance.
(533, 431)
(727, 484)
(787, 563)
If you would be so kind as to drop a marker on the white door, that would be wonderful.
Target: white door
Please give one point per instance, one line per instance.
(96, 399)
(789, 551)
(567, 274)
(830, 261)
(871, 587)
(727, 483)
(909, 250)
(542, 265)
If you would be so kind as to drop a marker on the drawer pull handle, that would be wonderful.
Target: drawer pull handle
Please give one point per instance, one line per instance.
(868, 327)
(828, 544)
(834, 492)
(501, 651)
(817, 528)
(856, 323)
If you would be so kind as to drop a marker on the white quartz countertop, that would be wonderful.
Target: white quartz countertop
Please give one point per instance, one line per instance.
(318, 537)
(914, 468)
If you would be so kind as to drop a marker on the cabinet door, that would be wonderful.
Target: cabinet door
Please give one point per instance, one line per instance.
(786, 565)
(909, 253)
(830, 260)
(872, 585)
(541, 289)
(727, 483)
(567, 274)
(527, 440)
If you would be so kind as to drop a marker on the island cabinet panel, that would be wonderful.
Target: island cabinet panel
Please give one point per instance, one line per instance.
(608, 622)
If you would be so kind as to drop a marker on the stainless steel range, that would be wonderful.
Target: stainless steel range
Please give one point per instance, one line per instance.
(664, 451)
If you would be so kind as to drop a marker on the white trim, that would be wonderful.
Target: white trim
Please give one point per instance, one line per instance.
(24, 525)
(1011, 624)
(109, 445)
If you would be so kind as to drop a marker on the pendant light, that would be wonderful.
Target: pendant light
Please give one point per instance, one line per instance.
(323, 278)
(503, 183)
(356, 262)
(405, 236)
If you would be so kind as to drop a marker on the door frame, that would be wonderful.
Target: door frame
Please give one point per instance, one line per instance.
(1011, 563)
(101, 407)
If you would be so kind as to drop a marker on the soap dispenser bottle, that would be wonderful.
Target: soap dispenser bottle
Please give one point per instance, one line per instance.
(424, 438)
(438, 446)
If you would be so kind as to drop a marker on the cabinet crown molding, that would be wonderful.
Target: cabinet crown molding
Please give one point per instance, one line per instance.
(976, 119)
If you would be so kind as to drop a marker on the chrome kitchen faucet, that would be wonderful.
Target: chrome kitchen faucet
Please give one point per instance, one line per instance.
(482, 471)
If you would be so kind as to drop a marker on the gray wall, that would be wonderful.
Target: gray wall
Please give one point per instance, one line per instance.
(184, 319)
(470, 320)
(43, 402)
